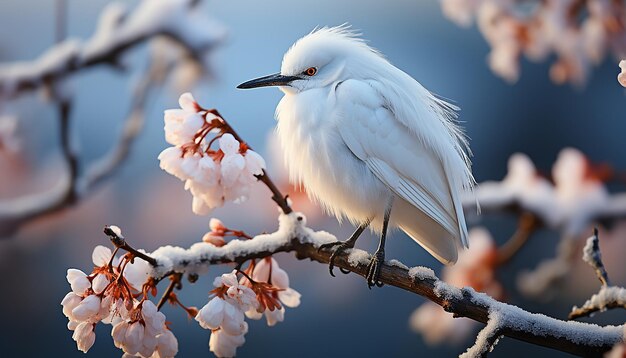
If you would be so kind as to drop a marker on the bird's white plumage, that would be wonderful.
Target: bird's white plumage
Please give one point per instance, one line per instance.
(361, 133)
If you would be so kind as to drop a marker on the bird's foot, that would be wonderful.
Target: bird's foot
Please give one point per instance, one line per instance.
(340, 246)
(373, 269)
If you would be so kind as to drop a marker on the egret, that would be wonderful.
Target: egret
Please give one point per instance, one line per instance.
(364, 137)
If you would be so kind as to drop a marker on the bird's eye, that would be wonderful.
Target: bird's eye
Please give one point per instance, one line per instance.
(311, 71)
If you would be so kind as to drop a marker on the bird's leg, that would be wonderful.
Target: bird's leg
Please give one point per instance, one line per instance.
(343, 245)
(373, 269)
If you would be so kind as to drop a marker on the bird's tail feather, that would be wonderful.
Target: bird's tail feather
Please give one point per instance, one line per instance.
(433, 237)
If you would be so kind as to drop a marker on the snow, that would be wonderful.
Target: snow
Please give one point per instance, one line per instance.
(606, 297)
(570, 205)
(199, 256)
(514, 318)
(422, 273)
(358, 257)
(487, 338)
(590, 254)
(56, 59)
(396, 263)
(117, 29)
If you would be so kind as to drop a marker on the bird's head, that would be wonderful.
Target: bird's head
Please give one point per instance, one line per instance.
(319, 59)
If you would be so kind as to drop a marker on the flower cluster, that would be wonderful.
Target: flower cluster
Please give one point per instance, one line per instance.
(262, 292)
(212, 176)
(579, 33)
(142, 332)
(224, 314)
(475, 268)
(268, 271)
(109, 295)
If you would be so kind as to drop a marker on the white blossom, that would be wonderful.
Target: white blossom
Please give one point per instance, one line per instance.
(84, 336)
(171, 161)
(223, 344)
(101, 255)
(167, 345)
(188, 103)
(621, 78)
(99, 283)
(142, 336)
(69, 302)
(279, 278)
(87, 308)
(137, 272)
(221, 314)
(78, 281)
(212, 176)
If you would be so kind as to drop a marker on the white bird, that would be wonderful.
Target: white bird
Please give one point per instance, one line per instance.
(362, 136)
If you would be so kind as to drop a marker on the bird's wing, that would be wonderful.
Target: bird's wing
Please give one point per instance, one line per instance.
(393, 151)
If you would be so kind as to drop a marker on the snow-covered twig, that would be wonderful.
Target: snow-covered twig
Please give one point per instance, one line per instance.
(609, 296)
(593, 256)
(486, 340)
(293, 235)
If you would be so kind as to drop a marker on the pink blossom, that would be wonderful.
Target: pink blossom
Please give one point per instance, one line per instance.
(84, 336)
(171, 161)
(621, 78)
(279, 278)
(188, 103)
(87, 308)
(167, 345)
(78, 281)
(223, 344)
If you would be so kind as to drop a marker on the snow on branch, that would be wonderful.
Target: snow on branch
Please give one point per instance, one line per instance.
(608, 297)
(574, 199)
(293, 235)
(119, 30)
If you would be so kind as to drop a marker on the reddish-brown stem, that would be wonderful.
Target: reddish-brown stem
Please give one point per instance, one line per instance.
(121, 243)
(527, 224)
(277, 197)
(174, 281)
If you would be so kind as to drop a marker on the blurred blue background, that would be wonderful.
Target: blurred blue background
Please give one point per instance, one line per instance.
(338, 316)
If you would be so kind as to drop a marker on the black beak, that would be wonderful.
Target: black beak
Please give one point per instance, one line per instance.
(272, 80)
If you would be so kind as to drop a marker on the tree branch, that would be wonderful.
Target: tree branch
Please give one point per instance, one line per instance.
(578, 338)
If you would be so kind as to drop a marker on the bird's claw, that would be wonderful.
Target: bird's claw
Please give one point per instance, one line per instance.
(341, 246)
(373, 269)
